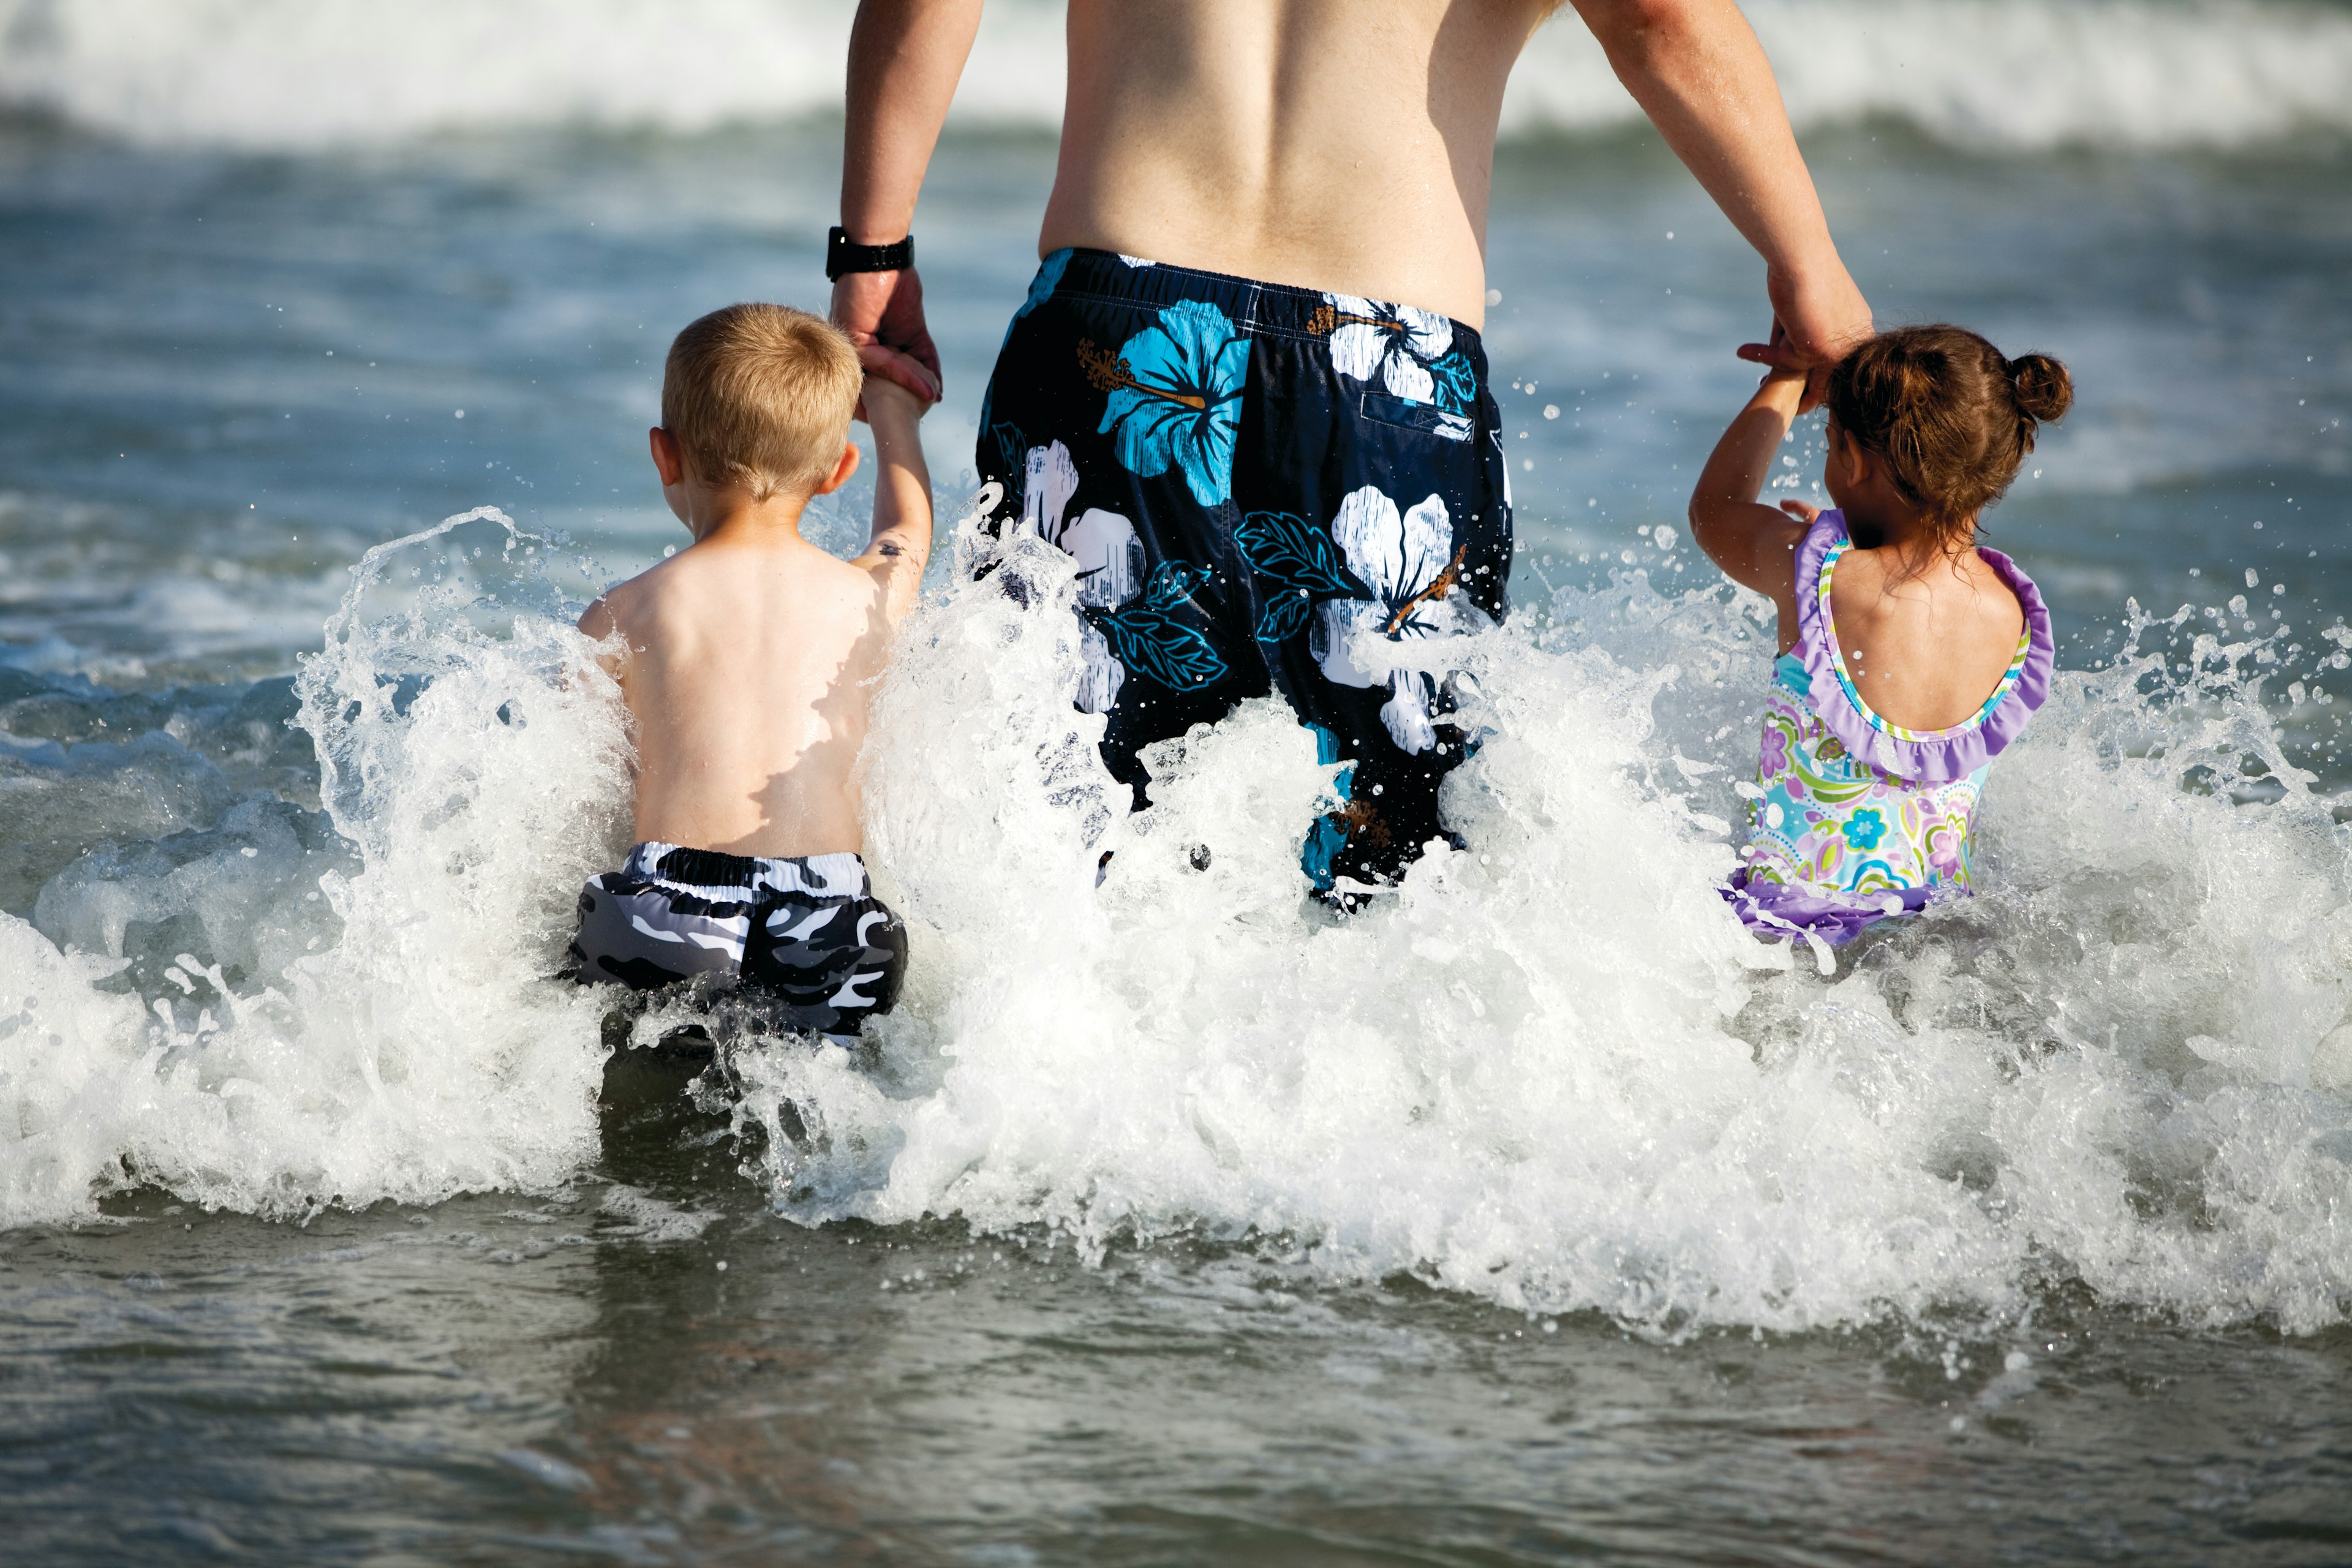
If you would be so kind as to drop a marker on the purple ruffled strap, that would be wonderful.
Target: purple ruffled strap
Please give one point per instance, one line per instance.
(1946, 754)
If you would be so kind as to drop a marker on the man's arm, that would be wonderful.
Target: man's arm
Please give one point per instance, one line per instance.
(905, 57)
(902, 495)
(1695, 69)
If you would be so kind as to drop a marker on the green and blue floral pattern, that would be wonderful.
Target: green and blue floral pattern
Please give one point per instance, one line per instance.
(1826, 820)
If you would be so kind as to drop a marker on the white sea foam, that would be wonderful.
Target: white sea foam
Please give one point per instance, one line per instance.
(390, 1036)
(293, 75)
(1550, 1070)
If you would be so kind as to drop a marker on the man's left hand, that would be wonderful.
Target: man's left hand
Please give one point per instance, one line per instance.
(1815, 323)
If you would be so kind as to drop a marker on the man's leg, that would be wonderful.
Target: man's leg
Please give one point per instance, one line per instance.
(1110, 421)
(1376, 515)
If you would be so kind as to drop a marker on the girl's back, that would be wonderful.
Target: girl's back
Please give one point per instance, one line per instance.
(1923, 649)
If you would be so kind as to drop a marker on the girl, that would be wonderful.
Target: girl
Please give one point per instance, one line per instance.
(1908, 657)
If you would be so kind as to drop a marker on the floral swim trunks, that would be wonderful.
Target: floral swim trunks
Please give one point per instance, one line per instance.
(1266, 490)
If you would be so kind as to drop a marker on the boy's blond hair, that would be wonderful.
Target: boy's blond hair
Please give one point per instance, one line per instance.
(761, 395)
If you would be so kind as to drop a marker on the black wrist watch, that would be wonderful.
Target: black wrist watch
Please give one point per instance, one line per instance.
(841, 256)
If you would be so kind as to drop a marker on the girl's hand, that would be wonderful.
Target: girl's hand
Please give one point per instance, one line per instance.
(1803, 512)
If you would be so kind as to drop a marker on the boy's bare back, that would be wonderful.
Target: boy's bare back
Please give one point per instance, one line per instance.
(747, 674)
(748, 658)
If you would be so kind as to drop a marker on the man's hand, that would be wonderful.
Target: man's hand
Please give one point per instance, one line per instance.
(1814, 323)
(883, 314)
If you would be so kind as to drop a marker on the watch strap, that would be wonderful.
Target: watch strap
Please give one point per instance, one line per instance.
(842, 256)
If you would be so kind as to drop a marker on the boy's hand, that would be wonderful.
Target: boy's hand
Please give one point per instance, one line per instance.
(885, 390)
(887, 402)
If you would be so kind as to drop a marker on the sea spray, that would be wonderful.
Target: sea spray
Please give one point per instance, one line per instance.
(394, 1033)
(1549, 1068)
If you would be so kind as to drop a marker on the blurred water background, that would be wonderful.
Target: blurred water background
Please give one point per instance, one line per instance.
(1171, 1226)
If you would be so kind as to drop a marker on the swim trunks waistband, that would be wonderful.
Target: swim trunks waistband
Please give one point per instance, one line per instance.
(721, 878)
(1281, 309)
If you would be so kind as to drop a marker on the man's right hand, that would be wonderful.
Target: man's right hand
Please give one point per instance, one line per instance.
(883, 314)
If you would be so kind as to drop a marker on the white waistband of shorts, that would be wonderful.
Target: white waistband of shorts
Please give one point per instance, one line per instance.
(840, 875)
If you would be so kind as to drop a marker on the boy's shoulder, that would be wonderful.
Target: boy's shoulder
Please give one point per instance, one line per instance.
(621, 600)
(700, 580)
(637, 604)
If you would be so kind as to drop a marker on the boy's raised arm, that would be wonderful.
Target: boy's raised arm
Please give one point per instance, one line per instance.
(1755, 544)
(901, 544)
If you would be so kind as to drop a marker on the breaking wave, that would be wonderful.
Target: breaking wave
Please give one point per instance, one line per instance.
(1550, 1070)
(287, 75)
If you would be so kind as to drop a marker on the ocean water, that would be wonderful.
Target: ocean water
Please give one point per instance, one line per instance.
(1535, 1215)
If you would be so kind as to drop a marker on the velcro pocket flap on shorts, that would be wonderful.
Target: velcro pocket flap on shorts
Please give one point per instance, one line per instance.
(1421, 416)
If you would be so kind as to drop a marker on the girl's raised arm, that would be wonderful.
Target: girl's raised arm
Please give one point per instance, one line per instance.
(1755, 546)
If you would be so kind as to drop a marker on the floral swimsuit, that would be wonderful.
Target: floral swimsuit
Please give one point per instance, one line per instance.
(1264, 487)
(1857, 818)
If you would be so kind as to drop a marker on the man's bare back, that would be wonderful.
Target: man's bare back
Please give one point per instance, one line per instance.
(749, 657)
(1330, 146)
(1327, 144)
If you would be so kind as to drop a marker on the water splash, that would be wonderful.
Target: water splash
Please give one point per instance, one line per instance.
(388, 1032)
(1550, 1070)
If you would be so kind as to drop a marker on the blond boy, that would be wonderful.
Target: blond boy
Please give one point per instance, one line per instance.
(746, 661)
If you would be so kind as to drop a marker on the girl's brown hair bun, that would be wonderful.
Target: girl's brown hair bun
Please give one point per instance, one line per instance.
(1951, 416)
(2042, 388)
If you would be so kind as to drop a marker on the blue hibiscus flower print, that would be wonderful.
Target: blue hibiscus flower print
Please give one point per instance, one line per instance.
(1175, 396)
(1864, 828)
